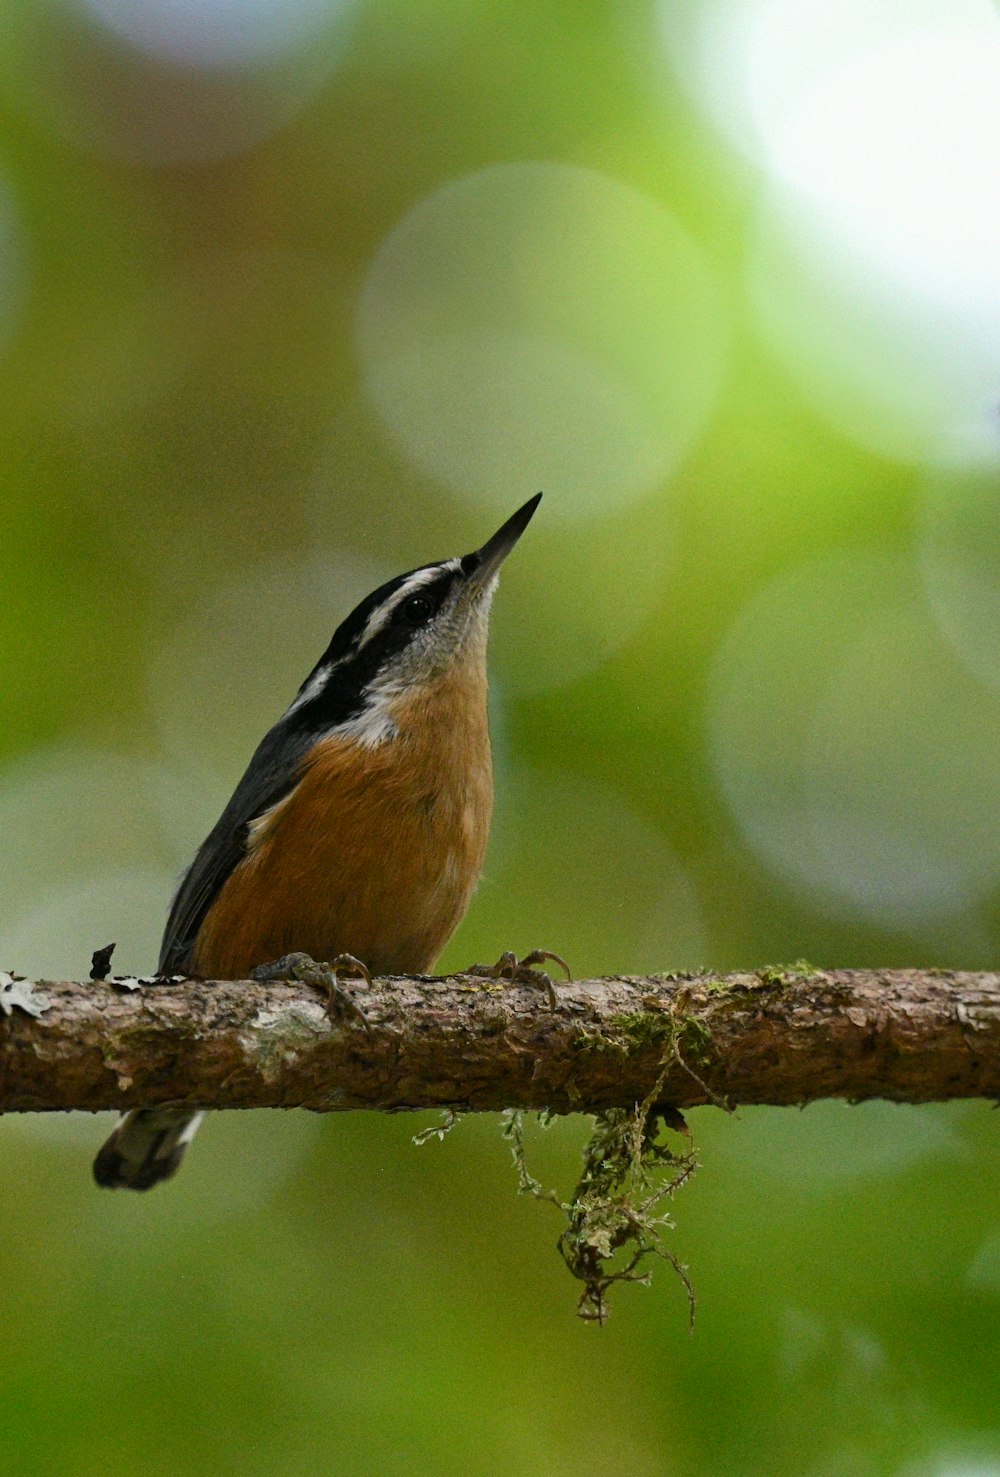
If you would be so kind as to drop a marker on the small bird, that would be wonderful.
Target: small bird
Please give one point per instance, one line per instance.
(358, 830)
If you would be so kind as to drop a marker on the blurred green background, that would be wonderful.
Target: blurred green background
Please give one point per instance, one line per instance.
(296, 294)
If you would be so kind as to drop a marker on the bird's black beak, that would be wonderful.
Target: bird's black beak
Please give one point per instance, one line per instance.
(482, 565)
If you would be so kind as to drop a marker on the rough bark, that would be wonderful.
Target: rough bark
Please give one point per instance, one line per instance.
(779, 1036)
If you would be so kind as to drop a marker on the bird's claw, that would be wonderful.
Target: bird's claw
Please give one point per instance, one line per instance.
(322, 976)
(524, 971)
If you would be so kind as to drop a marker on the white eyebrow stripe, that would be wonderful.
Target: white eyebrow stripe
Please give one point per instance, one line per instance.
(379, 618)
(376, 622)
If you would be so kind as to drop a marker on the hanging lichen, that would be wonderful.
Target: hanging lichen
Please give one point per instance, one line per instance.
(449, 1118)
(616, 1218)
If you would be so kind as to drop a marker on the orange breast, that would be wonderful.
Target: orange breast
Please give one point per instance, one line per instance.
(375, 853)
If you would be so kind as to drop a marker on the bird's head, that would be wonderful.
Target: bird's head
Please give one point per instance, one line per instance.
(411, 631)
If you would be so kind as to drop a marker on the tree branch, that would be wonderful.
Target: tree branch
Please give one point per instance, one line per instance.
(778, 1036)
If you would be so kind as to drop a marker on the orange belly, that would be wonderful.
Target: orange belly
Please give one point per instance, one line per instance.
(375, 853)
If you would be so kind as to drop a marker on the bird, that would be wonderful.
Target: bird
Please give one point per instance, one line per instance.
(358, 830)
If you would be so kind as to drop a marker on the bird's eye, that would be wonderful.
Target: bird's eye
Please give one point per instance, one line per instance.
(416, 610)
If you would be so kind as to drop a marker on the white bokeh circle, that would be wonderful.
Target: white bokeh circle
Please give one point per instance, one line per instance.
(570, 856)
(228, 667)
(873, 272)
(873, 269)
(858, 758)
(959, 533)
(217, 33)
(93, 841)
(894, 373)
(572, 596)
(56, 937)
(541, 325)
(578, 595)
(756, 65)
(160, 82)
(88, 859)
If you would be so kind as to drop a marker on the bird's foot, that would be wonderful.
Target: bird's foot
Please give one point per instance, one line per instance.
(325, 977)
(524, 971)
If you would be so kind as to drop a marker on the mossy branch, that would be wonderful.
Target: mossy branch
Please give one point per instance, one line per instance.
(631, 1051)
(779, 1035)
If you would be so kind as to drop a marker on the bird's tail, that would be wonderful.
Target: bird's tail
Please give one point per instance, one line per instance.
(145, 1148)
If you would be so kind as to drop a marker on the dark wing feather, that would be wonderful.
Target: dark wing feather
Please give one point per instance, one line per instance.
(271, 774)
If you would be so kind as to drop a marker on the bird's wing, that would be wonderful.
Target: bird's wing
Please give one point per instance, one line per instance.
(271, 774)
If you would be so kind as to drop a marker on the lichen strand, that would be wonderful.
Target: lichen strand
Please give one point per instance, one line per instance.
(448, 1120)
(615, 1219)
